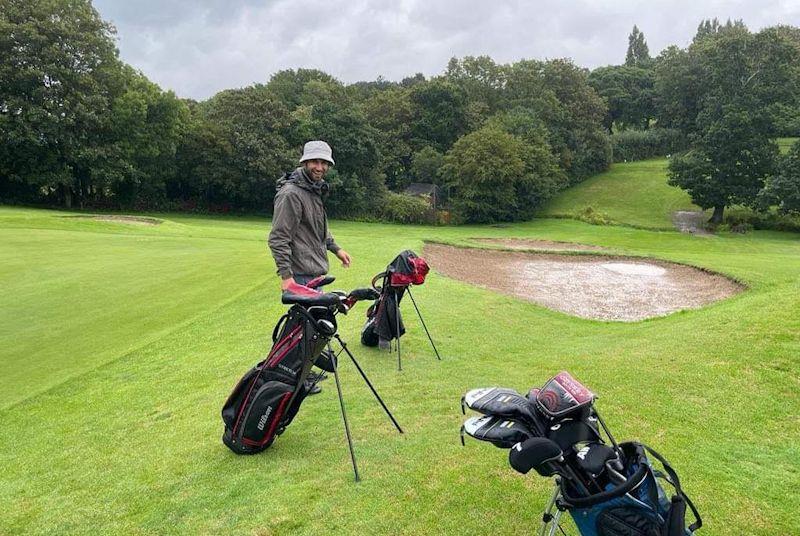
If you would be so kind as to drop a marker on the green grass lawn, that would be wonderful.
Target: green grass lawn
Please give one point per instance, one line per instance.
(119, 344)
(635, 193)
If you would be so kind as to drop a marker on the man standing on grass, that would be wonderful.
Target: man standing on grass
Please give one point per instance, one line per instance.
(300, 239)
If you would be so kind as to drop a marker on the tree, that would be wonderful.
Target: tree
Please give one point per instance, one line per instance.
(389, 113)
(146, 126)
(438, 114)
(629, 94)
(481, 79)
(558, 94)
(783, 189)
(251, 121)
(638, 55)
(58, 74)
(496, 176)
(729, 164)
(425, 165)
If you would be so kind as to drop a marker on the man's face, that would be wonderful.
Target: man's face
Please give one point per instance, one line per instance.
(316, 168)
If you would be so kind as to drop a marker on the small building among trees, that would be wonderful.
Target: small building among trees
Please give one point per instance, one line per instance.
(422, 189)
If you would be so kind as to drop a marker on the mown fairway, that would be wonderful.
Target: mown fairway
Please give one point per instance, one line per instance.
(119, 344)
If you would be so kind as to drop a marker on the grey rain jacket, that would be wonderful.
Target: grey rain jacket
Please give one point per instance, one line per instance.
(300, 237)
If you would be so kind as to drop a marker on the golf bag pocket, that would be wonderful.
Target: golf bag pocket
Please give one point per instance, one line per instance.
(259, 417)
(627, 521)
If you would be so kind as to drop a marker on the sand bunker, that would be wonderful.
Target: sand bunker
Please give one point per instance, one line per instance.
(135, 220)
(549, 245)
(588, 286)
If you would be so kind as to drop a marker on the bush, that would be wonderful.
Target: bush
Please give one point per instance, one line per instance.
(631, 145)
(402, 208)
(593, 217)
(496, 176)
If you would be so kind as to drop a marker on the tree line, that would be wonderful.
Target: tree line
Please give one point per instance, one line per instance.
(80, 128)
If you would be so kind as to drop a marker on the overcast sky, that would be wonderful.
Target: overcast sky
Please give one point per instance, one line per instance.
(199, 47)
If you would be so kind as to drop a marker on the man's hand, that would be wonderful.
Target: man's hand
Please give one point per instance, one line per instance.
(344, 257)
(286, 283)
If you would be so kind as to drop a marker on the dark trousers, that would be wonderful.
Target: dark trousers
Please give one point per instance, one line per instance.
(302, 279)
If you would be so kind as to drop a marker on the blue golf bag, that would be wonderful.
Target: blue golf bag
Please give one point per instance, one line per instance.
(608, 488)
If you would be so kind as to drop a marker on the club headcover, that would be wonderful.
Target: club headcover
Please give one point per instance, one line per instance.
(500, 432)
(500, 402)
(321, 281)
(307, 296)
(592, 457)
(364, 294)
(537, 453)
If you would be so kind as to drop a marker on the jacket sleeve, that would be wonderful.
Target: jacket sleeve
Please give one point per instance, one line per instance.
(330, 243)
(285, 219)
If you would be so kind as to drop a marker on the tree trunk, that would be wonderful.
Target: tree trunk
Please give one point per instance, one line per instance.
(67, 196)
(716, 217)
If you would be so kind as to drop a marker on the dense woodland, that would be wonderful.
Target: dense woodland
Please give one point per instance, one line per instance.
(80, 128)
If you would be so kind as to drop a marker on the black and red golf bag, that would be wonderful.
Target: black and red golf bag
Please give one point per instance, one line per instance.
(267, 398)
(383, 316)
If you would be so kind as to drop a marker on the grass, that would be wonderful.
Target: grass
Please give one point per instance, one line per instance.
(635, 193)
(120, 343)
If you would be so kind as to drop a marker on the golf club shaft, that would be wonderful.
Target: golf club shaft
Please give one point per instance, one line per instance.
(423, 323)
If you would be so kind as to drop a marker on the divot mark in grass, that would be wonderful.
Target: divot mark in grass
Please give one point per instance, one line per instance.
(624, 289)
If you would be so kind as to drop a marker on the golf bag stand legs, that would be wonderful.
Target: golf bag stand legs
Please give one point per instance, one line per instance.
(423, 323)
(397, 318)
(369, 384)
(344, 416)
(552, 515)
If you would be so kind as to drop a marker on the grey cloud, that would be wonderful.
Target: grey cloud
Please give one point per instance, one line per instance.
(200, 47)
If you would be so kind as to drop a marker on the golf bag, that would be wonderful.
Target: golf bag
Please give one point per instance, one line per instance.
(383, 316)
(609, 489)
(267, 398)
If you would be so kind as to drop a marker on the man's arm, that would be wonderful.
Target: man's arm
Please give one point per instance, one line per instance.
(285, 219)
(334, 248)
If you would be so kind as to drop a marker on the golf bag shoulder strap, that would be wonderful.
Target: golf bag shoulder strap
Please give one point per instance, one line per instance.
(675, 481)
(278, 327)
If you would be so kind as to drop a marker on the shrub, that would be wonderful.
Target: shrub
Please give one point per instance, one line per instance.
(497, 176)
(631, 145)
(594, 217)
(402, 208)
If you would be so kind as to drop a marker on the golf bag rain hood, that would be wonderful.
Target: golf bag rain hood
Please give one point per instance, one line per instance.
(383, 316)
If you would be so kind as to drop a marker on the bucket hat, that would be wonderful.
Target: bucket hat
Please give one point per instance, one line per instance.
(317, 150)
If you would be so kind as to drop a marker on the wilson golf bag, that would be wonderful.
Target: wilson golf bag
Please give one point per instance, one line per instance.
(609, 489)
(383, 316)
(267, 398)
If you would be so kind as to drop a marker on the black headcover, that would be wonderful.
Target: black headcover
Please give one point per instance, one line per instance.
(360, 294)
(536, 453)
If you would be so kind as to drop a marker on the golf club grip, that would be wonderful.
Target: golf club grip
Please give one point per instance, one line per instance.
(619, 491)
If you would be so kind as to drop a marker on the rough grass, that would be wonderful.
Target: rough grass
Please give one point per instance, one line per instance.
(120, 343)
(635, 193)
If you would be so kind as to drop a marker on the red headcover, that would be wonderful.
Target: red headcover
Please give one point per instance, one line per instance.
(407, 269)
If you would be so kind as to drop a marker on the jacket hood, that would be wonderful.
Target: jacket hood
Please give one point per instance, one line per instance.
(299, 178)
